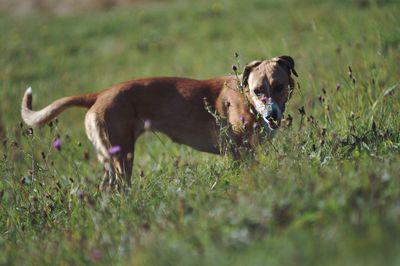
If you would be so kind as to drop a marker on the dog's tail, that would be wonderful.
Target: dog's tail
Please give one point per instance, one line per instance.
(41, 117)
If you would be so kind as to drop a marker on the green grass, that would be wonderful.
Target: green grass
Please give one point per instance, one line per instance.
(325, 191)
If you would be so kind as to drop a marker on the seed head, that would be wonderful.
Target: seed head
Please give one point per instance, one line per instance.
(323, 132)
(350, 72)
(302, 111)
(289, 120)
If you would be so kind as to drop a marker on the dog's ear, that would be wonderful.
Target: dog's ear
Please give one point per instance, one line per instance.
(288, 62)
(247, 70)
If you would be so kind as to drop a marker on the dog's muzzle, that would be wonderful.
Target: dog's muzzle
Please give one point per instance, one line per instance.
(271, 114)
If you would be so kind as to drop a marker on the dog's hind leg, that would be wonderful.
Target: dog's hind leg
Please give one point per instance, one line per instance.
(122, 165)
(114, 148)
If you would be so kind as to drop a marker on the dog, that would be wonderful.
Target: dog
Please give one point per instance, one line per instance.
(186, 110)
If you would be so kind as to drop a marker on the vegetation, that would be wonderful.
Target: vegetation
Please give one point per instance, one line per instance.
(325, 191)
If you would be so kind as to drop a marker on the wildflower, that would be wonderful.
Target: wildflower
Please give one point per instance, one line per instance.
(56, 144)
(241, 118)
(114, 150)
(234, 68)
(337, 86)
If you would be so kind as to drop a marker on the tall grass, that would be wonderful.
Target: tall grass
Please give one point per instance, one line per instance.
(324, 191)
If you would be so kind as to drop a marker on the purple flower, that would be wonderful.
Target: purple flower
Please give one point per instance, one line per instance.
(241, 118)
(114, 150)
(56, 144)
(337, 86)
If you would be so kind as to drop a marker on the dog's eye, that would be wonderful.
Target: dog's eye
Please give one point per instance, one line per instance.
(258, 91)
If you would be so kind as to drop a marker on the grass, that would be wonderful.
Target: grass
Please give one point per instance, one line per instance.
(325, 191)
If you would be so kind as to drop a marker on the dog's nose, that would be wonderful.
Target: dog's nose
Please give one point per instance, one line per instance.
(273, 113)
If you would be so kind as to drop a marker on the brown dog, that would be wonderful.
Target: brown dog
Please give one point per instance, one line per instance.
(183, 109)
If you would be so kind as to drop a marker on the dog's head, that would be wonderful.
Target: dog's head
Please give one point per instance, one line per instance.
(267, 85)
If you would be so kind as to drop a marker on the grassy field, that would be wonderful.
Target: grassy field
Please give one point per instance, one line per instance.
(325, 191)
